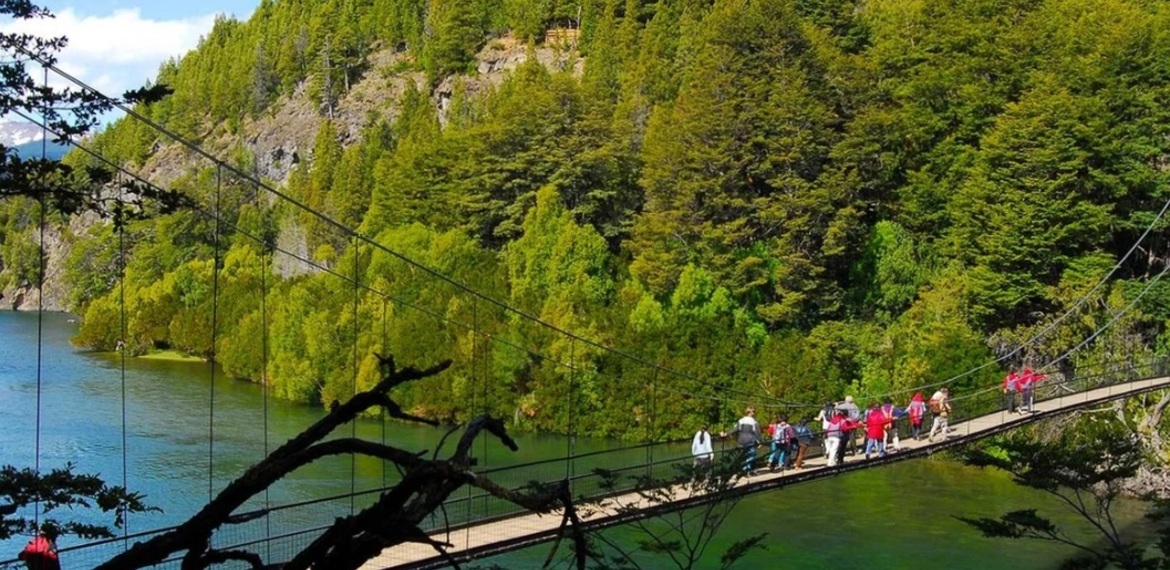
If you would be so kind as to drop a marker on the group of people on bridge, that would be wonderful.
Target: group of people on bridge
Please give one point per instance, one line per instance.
(841, 422)
(1023, 383)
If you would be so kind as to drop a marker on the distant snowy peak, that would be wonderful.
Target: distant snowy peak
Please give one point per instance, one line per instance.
(13, 133)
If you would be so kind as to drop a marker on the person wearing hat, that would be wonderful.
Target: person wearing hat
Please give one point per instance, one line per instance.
(854, 414)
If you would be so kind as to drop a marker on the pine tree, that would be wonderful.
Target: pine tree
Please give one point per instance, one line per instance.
(731, 168)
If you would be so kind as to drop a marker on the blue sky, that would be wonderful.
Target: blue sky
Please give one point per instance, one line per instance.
(117, 45)
(158, 9)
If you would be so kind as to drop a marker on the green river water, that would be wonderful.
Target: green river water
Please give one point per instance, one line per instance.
(157, 426)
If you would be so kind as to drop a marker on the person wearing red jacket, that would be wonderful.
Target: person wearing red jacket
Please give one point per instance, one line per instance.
(876, 424)
(1011, 383)
(1028, 382)
(840, 427)
(41, 553)
(917, 411)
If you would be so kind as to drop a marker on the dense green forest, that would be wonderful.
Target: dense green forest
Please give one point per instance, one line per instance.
(774, 201)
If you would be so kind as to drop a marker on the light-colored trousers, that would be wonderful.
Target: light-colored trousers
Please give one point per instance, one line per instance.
(831, 445)
(940, 424)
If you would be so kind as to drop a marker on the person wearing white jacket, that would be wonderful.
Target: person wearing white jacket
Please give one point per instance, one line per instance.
(702, 449)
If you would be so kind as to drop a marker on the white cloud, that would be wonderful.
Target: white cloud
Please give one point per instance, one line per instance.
(119, 51)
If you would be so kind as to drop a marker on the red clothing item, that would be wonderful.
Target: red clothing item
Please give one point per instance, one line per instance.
(841, 426)
(875, 424)
(1028, 378)
(1011, 382)
(916, 409)
(40, 554)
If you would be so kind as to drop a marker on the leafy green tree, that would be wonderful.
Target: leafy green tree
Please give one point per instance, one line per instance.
(1040, 193)
(731, 168)
(452, 34)
(890, 273)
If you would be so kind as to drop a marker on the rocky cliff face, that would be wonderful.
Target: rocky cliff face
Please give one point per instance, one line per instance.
(54, 296)
(284, 136)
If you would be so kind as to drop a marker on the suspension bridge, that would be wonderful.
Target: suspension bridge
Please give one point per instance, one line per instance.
(478, 524)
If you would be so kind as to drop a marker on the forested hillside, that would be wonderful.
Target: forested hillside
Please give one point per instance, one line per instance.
(787, 199)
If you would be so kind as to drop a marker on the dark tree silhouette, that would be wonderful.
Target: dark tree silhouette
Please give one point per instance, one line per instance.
(25, 490)
(394, 519)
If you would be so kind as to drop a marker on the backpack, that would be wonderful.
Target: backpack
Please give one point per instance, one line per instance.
(829, 411)
(803, 434)
(935, 406)
(788, 434)
(834, 430)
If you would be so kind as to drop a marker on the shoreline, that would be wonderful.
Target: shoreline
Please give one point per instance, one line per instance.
(170, 356)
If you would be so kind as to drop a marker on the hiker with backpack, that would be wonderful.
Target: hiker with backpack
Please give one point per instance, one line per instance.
(917, 411)
(940, 406)
(840, 427)
(804, 438)
(782, 435)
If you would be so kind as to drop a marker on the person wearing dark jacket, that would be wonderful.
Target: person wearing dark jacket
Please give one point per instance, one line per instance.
(804, 438)
(747, 435)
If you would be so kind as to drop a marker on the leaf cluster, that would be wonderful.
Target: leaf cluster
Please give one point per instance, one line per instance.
(23, 490)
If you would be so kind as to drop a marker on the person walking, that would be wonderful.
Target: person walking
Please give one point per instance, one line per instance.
(892, 413)
(1028, 389)
(940, 405)
(876, 424)
(833, 434)
(1011, 383)
(825, 416)
(703, 451)
(917, 411)
(840, 429)
(804, 438)
(782, 436)
(854, 414)
(747, 435)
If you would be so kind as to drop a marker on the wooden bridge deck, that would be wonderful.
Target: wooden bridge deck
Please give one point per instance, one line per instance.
(527, 529)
